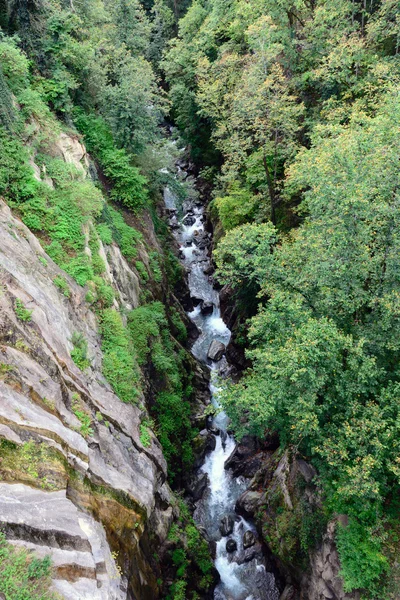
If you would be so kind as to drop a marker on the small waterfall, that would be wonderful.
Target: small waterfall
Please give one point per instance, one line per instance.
(242, 570)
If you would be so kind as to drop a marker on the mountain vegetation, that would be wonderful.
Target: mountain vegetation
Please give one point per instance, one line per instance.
(291, 110)
(301, 101)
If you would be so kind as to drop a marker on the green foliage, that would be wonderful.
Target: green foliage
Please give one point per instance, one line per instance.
(62, 285)
(16, 177)
(178, 324)
(23, 314)
(105, 233)
(141, 269)
(79, 351)
(128, 186)
(123, 234)
(7, 114)
(189, 553)
(83, 416)
(361, 558)
(119, 362)
(155, 266)
(145, 323)
(236, 208)
(23, 577)
(148, 327)
(145, 435)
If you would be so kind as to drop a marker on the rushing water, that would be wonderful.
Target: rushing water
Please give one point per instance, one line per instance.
(242, 571)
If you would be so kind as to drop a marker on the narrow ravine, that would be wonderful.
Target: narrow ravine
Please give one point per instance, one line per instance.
(239, 558)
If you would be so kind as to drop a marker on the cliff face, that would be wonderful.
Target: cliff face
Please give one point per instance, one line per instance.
(284, 498)
(76, 480)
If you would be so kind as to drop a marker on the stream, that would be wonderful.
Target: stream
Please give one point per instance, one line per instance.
(242, 568)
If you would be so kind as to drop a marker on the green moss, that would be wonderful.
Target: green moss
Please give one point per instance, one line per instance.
(33, 463)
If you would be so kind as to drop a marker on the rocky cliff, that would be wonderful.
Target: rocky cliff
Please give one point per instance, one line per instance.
(77, 482)
(284, 498)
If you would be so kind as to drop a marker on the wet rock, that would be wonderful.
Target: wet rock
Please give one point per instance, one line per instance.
(288, 593)
(189, 220)
(226, 526)
(246, 459)
(202, 444)
(199, 487)
(216, 350)
(248, 502)
(248, 554)
(207, 308)
(236, 355)
(196, 301)
(231, 546)
(248, 539)
(208, 270)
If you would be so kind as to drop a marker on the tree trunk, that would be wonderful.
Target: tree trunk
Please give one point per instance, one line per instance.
(271, 189)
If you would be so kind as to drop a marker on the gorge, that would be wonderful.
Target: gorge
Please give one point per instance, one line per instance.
(199, 300)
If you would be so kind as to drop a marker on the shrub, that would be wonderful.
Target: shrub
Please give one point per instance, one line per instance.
(361, 558)
(128, 186)
(62, 285)
(124, 235)
(105, 233)
(119, 361)
(141, 269)
(145, 436)
(23, 314)
(104, 293)
(178, 324)
(145, 324)
(79, 352)
(83, 416)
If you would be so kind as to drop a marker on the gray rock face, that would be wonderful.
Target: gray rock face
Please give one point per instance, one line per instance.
(49, 523)
(216, 350)
(248, 502)
(324, 583)
(248, 539)
(199, 487)
(118, 490)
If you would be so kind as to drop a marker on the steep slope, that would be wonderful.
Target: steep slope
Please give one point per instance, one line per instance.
(82, 478)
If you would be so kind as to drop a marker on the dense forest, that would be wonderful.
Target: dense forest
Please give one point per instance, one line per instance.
(290, 110)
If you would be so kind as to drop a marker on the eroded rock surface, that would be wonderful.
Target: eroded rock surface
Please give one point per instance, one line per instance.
(85, 497)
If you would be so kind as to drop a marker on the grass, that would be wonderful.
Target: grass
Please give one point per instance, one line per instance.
(22, 576)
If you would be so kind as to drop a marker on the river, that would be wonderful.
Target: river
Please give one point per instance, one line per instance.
(242, 569)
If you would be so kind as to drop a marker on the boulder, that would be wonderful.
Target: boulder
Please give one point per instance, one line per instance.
(216, 351)
(208, 269)
(189, 220)
(226, 526)
(207, 308)
(199, 487)
(231, 546)
(248, 539)
(248, 502)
